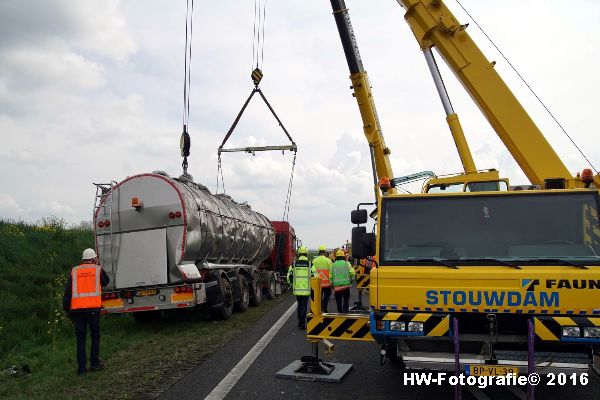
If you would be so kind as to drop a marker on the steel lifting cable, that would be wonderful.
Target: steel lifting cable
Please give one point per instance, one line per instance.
(185, 142)
(528, 86)
(258, 32)
(288, 198)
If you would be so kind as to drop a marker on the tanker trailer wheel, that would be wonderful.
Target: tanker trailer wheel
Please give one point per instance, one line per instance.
(221, 305)
(271, 285)
(255, 290)
(242, 304)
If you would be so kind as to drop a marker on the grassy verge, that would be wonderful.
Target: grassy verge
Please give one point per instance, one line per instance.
(141, 358)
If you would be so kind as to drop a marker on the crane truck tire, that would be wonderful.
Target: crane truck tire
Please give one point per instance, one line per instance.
(220, 296)
(243, 293)
(255, 290)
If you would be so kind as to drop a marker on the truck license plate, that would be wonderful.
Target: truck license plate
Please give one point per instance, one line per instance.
(491, 370)
(146, 292)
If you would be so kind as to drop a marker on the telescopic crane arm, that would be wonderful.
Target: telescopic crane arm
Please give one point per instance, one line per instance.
(363, 95)
(434, 26)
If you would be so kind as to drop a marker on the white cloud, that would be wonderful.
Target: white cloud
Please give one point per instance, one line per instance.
(9, 208)
(56, 208)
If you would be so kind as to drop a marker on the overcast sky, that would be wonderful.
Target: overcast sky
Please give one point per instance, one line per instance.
(91, 91)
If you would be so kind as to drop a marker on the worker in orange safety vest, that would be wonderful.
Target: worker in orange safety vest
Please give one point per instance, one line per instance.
(82, 303)
(322, 266)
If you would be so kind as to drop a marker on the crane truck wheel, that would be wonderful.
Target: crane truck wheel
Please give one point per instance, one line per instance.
(220, 298)
(244, 294)
(255, 290)
(270, 285)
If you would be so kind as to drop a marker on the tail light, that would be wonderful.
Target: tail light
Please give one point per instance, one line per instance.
(172, 215)
(183, 289)
(101, 224)
(178, 214)
(106, 223)
(110, 296)
(380, 325)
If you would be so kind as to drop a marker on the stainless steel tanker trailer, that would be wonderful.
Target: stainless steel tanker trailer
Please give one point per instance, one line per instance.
(169, 243)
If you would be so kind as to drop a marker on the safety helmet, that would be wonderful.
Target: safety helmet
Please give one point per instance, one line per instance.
(322, 248)
(340, 253)
(302, 250)
(88, 254)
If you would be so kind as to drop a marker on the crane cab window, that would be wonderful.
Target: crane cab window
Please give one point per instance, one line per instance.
(516, 228)
(491, 186)
(446, 188)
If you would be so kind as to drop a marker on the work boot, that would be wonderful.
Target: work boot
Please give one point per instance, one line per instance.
(82, 372)
(98, 366)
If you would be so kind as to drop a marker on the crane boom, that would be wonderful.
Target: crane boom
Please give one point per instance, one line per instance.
(434, 25)
(363, 95)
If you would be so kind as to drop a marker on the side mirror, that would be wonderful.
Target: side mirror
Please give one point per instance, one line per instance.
(363, 243)
(359, 216)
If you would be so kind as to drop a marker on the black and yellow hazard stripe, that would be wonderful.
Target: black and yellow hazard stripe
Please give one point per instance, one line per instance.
(362, 281)
(342, 326)
(550, 328)
(257, 75)
(433, 324)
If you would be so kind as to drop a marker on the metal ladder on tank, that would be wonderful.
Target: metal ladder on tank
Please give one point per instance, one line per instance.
(105, 191)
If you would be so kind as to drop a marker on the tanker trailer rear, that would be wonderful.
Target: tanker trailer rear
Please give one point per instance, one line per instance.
(169, 243)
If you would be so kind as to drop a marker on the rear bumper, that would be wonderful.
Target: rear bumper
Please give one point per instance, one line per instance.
(166, 298)
(487, 341)
(545, 362)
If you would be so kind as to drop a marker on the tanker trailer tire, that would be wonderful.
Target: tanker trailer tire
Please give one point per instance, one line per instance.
(244, 299)
(255, 290)
(144, 317)
(221, 299)
(270, 285)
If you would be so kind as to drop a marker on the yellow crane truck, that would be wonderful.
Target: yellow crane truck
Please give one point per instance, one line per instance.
(474, 275)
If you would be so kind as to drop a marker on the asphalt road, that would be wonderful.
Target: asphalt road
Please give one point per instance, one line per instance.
(367, 380)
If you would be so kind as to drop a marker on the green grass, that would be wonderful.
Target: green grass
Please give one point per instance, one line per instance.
(140, 358)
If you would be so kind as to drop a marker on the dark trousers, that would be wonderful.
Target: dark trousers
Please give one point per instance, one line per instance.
(325, 296)
(81, 321)
(301, 310)
(342, 299)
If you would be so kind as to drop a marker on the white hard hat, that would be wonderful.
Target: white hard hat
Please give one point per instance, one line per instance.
(88, 254)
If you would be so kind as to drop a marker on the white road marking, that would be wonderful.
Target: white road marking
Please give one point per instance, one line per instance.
(223, 388)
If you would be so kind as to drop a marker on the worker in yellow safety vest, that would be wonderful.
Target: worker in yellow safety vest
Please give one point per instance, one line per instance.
(82, 303)
(342, 274)
(322, 266)
(299, 277)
